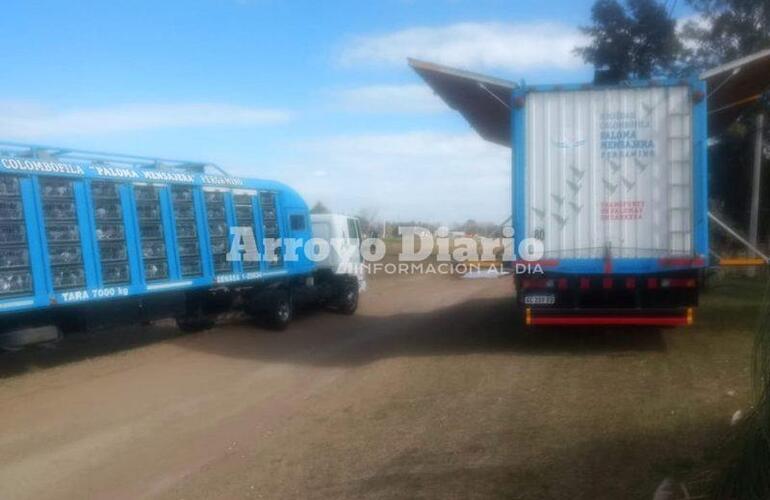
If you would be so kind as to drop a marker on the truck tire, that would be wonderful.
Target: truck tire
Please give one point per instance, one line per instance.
(347, 302)
(281, 311)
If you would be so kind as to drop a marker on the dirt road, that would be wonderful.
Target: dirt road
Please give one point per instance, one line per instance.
(429, 392)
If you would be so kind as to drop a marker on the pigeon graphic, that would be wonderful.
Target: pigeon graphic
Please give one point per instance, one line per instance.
(558, 199)
(561, 220)
(576, 172)
(609, 186)
(629, 185)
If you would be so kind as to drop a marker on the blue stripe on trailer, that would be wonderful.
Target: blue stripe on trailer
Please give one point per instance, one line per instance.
(619, 266)
(519, 152)
(700, 171)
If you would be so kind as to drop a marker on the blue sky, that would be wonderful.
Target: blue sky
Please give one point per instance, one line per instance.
(315, 94)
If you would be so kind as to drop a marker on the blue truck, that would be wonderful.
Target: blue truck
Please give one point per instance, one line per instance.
(91, 239)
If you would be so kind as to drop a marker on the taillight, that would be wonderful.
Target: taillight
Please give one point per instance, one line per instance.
(538, 283)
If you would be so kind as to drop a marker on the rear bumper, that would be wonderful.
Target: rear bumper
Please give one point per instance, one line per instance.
(556, 317)
(663, 292)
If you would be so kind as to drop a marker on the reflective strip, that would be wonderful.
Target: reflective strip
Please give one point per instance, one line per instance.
(162, 286)
(16, 303)
(611, 320)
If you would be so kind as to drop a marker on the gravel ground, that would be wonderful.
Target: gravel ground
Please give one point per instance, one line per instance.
(430, 391)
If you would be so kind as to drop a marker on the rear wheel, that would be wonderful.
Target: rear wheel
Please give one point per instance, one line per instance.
(280, 314)
(347, 303)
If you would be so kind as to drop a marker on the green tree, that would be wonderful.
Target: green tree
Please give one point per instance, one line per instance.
(634, 40)
(720, 32)
(319, 208)
(724, 30)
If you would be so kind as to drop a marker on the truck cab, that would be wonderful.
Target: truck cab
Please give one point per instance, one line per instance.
(344, 233)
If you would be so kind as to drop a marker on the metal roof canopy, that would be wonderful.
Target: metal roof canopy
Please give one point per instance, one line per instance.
(483, 100)
(734, 86)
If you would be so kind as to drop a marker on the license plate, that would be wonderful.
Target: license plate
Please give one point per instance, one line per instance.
(540, 300)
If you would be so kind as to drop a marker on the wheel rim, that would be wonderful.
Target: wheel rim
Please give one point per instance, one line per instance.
(283, 311)
(351, 298)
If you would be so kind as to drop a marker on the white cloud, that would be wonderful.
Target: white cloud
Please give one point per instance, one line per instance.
(483, 45)
(440, 177)
(391, 99)
(24, 120)
(698, 21)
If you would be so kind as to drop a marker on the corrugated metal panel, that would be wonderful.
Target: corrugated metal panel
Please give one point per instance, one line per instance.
(610, 171)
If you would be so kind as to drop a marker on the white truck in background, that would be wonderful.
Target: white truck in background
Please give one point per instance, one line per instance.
(346, 259)
(339, 277)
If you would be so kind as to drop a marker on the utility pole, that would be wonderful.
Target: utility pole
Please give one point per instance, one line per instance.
(758, 145)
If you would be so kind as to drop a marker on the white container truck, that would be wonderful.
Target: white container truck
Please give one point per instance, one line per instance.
(609, 193)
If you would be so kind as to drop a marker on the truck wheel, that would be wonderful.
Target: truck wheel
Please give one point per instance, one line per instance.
(347, 303)
(280, 314)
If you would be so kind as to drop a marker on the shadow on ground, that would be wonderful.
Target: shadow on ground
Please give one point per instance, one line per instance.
(319, 337)
(729, 305)
(476, 326)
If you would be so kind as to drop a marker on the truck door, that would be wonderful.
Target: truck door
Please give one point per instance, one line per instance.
(609, 172)
(353, 251)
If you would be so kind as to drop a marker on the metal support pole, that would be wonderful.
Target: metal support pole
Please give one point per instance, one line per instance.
(738, 237)
(756, 181)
